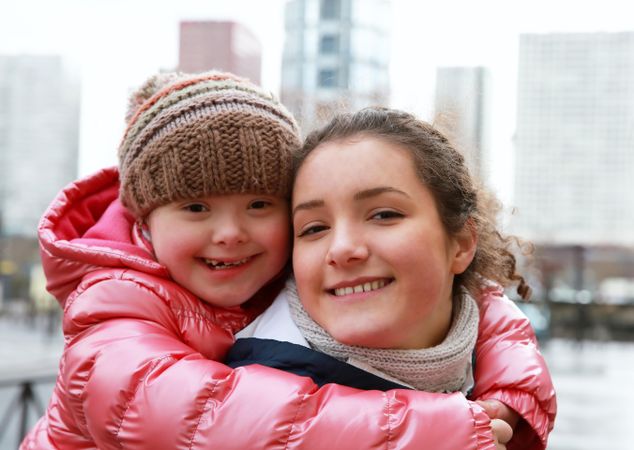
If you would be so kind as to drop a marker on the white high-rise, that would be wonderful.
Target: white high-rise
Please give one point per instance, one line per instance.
(336, 57)
(575, 138)
(463, 111)
(39, 138)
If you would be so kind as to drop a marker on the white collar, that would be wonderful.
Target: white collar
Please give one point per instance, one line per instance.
(275, 323)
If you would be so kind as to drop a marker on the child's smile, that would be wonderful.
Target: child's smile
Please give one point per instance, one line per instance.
(223, 248)
(217, 264)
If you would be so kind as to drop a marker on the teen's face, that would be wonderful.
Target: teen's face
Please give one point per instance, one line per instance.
(373, 264)
(222, 248)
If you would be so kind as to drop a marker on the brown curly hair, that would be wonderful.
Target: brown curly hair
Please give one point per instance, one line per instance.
(443, 170)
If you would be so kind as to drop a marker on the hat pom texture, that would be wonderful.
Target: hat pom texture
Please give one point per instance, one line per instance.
(214, 133)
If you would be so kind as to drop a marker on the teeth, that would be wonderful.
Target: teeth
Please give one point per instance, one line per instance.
(365, 287)
(217, 264)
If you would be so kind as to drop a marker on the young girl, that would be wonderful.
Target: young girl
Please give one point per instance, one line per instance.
(158, 264)
(393, 244)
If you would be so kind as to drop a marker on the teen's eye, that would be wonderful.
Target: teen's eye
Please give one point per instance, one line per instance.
(195, 208)
(259, 204)
(311, 230)
(386, 215)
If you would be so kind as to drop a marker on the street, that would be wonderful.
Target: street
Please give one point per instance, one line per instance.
(595, 395)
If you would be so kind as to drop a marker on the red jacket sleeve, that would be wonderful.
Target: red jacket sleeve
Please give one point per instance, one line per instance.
(136, 373)
(511, 369)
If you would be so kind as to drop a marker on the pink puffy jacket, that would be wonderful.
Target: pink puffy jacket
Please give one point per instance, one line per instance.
(140, 366)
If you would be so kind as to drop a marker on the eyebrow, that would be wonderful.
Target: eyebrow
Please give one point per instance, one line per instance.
(368, 193)
(312, 204)
(361, 195)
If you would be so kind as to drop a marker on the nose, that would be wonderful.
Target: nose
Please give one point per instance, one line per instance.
(348, 247)
(229, 231)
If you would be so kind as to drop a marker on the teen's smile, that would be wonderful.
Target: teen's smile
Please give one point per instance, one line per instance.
(362, 285)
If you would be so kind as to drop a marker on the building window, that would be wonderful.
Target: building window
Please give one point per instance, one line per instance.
(329, 44)
(330, 9)
(328, 78)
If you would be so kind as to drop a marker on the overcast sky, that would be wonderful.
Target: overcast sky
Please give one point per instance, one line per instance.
(113, 45)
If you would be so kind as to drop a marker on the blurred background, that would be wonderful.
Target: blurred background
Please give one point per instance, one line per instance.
(539, 95)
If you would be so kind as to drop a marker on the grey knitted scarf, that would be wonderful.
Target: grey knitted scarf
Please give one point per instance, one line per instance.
(442, 368)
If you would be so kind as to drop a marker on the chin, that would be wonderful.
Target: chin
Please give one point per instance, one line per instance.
(222, 301)
(353, 337)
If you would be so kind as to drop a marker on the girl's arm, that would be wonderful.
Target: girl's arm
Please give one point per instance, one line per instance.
(510, 369)
(132, 377)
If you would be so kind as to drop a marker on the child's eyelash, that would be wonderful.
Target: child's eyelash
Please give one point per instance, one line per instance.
(260, 204)
(195, 207)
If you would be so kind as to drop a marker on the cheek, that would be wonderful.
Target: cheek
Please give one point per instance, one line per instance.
(402, 248)
(173, 251)
(175, 244)
(306, 263)
(161, 245)
(276, 236)
(417, 256)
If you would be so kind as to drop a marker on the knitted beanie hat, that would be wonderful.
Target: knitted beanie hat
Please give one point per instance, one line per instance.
(190, 136)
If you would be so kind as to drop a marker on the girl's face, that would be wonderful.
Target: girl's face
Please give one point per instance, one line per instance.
(222, 248)
(373, 263)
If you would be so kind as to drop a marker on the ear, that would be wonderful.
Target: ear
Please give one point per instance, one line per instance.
(144, 229)
(464, 248)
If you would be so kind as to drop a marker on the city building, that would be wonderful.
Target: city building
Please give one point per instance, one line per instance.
(463, 111)
(574, 161)
(39, 138)
(227, 46)
(336, 56)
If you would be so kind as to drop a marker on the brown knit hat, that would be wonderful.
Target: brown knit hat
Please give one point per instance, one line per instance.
(190, 136)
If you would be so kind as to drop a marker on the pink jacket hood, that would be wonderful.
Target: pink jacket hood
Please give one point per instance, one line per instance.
(86, 228)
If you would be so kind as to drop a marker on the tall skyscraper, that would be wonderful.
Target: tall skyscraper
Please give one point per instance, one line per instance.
(575, 138)
(39, 138)
(336, 57)
(228, 46)
(463, 112)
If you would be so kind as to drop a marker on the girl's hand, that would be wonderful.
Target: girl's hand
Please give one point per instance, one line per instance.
(503, 420)
(495, 409)
(502, 433)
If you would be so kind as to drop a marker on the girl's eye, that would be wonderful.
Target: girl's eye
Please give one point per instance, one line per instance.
(386, 215)
(195, 208)
(311, 230)
(259, 204)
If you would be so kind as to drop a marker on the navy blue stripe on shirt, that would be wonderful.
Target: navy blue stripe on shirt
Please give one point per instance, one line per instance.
(304, 361)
